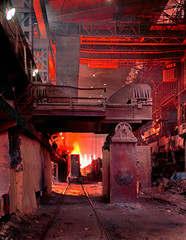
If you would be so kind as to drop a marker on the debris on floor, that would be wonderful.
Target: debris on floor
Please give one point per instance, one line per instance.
(156, 215)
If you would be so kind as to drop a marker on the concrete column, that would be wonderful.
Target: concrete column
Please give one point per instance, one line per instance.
(143, 166)
(123, 165)
(183, 135)
(30, 174)
(4, 163)
(106, 173)
(106, 168)
(4, 172)
(67, 63)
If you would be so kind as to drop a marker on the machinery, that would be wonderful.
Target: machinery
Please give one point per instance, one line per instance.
(74, 169)
(164, 133)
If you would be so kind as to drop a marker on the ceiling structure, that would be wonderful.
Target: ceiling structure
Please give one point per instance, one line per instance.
(119, 30)
(116, 32)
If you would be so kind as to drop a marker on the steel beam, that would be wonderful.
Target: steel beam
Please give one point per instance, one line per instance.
(24, 10)
(129, 61)
(132, 55)
(119, 29)
(41, 56)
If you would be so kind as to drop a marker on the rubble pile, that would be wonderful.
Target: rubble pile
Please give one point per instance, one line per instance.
(11, 228)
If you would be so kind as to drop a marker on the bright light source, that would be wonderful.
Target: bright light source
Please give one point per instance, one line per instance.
(10, 13)
(94, 75)
(105, 84)
(35, 72)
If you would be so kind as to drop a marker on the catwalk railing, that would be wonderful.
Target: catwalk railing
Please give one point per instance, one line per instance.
(56, 95)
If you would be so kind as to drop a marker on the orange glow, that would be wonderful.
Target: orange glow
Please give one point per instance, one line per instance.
(40, 19)
(52, 63)
(52, 72)
(76, 149)
(36, 33)
(103, 64)
(87, 145)
(84, 161)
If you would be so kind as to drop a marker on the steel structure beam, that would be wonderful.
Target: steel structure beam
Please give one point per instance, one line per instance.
(109, 49)
(25, 13)
(41, 56)
(24, 10)
(42, 47)
(96, 62)
(130, 58)
(116, 29)
(132, 55)
(120, 45)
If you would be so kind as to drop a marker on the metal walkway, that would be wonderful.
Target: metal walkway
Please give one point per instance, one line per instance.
(54, 108)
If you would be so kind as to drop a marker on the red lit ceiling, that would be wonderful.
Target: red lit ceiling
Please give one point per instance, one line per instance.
(99, 10)
(121, 30)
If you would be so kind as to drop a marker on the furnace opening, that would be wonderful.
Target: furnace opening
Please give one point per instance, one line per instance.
(77, 157)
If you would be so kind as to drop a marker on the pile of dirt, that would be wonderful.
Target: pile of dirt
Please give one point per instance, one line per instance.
(12, 226)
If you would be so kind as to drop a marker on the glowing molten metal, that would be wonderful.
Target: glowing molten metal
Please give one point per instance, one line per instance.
(84, 161)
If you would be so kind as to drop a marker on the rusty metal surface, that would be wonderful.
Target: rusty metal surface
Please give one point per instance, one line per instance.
(47, 108)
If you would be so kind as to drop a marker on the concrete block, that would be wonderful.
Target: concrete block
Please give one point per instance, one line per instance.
(123, 165)
(143, 166)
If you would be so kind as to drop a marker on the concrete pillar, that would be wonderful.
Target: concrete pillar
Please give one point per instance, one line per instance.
(67, 63)
(4, 173)
(4, 163)
(106, 173)
(106, 168)
(143, 166)
(30, 175)
(123, 165)
(183, 135)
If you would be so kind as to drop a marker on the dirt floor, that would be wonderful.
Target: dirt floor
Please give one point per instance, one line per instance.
(157, 215)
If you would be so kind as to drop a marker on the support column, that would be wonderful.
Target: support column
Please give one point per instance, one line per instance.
(106, 168)
(183, 135)
(67, 63)
(123, 165)
(41, 56)
(4, 173)
(24, 13)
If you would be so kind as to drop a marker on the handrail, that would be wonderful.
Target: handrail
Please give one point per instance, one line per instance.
(27, 90)
(168, 96)
(28, 102)
(38, 91)
(55, 86)
(63, 86)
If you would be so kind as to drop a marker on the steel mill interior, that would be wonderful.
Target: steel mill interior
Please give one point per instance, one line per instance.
(93, 119)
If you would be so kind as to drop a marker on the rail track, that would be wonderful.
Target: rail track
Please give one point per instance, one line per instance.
(81, 188)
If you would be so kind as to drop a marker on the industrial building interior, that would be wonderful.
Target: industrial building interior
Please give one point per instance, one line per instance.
(93, 119)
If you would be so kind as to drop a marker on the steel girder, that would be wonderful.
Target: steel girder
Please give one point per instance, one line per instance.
(24, 10)
(119, 29)
(128, 45)
(128, 41)
(41, 56)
